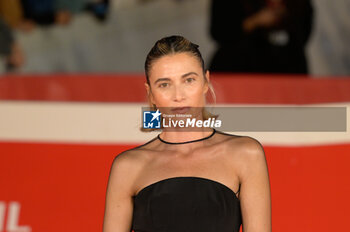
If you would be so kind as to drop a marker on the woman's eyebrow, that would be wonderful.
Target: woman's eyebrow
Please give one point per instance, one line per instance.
(190, 73)
(168, 79)
(162, 79)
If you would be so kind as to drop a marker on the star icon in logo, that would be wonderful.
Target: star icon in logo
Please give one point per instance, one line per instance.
(156, 115)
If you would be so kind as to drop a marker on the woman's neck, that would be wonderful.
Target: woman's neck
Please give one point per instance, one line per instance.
(185, 135)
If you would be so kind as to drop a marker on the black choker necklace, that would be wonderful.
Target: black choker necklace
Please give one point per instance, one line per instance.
(191, 141)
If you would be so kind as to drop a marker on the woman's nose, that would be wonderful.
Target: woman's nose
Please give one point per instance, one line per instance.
(178, 94)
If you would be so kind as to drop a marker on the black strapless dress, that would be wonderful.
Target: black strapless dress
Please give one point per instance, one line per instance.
(186, 204)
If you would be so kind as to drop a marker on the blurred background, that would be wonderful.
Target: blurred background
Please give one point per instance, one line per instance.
(72, 88)
(46, 36)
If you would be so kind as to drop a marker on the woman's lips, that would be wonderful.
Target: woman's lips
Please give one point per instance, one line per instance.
(180, 110)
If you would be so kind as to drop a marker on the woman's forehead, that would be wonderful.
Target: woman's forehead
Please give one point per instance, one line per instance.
(175, 64)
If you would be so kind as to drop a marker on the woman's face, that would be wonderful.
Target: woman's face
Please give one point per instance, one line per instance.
(177, 80)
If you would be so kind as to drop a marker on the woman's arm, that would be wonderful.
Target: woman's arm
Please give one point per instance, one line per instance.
(119, 202)
(255, 196)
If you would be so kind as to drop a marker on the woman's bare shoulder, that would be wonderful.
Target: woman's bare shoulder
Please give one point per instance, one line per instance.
(250, 145)
(250, 154)
(127, 166)
(242, 142)
(243, 149)
(134, 155)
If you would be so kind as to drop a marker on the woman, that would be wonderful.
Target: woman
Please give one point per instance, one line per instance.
(187, 180)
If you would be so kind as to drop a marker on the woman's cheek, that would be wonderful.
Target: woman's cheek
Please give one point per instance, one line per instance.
(195, 92)
(163, 98)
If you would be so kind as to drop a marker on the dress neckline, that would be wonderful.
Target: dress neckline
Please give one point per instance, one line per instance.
(185, 178)
(191, 141)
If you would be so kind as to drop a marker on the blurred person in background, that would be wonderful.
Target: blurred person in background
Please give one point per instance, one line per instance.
(11, 12)
(99, 8)
(261, 36)
(59, 12)
(11, 56)
(47, 12)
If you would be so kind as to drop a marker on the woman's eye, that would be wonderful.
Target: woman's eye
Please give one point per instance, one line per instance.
(163, 85)
(190, 79)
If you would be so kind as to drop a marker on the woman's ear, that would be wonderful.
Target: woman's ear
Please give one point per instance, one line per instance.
(207, 74)
(149, 93)
(147, 88)
(206, 87)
